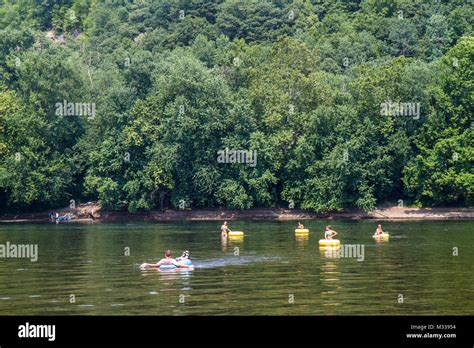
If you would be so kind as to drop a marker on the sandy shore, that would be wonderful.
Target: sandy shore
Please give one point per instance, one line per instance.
(387, 213)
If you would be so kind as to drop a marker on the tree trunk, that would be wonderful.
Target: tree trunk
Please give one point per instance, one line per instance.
(162, 200)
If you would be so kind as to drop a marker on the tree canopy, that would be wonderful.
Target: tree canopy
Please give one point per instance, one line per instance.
(342, 103)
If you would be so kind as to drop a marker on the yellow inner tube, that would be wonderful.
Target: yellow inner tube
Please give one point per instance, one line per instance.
(329, 242)
(236, 239)
(330, 247)
(236, 233)
(382, 236)
(301, 231)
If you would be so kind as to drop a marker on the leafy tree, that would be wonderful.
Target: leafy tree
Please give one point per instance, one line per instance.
(32, 174)
(441, 172)
(302, 83)
(252, 20)
(438, 36)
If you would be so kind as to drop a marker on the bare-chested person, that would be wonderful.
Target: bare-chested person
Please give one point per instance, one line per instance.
(224, 230)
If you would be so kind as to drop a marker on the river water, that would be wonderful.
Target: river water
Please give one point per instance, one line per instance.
(425, 268)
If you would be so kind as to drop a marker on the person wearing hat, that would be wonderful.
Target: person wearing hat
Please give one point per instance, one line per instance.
(184, 256)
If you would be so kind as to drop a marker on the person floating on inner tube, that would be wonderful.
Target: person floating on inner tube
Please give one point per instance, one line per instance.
(184, 256)
(379, 230)
(167, 260)
(225, 230)
(300, 226)
(329, 233)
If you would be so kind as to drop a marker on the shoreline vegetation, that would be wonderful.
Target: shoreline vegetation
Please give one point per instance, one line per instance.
(94, 213)
(318, 105)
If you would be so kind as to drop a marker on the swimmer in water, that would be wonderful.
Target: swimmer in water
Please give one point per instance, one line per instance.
(329, 233)
(184, 256)
(300, 226)
(225, 230)
(379, 230)
(167, 260)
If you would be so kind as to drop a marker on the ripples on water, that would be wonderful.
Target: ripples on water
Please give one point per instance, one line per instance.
(272, 267)
(233, 261)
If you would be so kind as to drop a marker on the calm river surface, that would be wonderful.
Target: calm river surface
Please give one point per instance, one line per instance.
(270, 272)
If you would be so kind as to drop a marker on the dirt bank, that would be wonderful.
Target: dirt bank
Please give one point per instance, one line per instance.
(386, 213)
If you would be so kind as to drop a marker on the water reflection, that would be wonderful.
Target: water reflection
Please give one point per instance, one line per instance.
(420, 265)
(231, 241)
(302, 241)
(171, 279)
(224, 244)
(330, 277)
(236, 243)
(330, 252)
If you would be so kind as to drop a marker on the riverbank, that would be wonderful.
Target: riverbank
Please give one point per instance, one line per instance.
(385, 213)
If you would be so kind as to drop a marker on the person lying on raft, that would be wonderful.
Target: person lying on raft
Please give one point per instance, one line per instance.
(300, 226)
(224, 230)
(329, 233)
(168, 260)
(184, 256)
(379, 230)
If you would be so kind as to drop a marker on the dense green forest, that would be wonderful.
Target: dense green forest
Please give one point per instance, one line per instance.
(345, 103)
